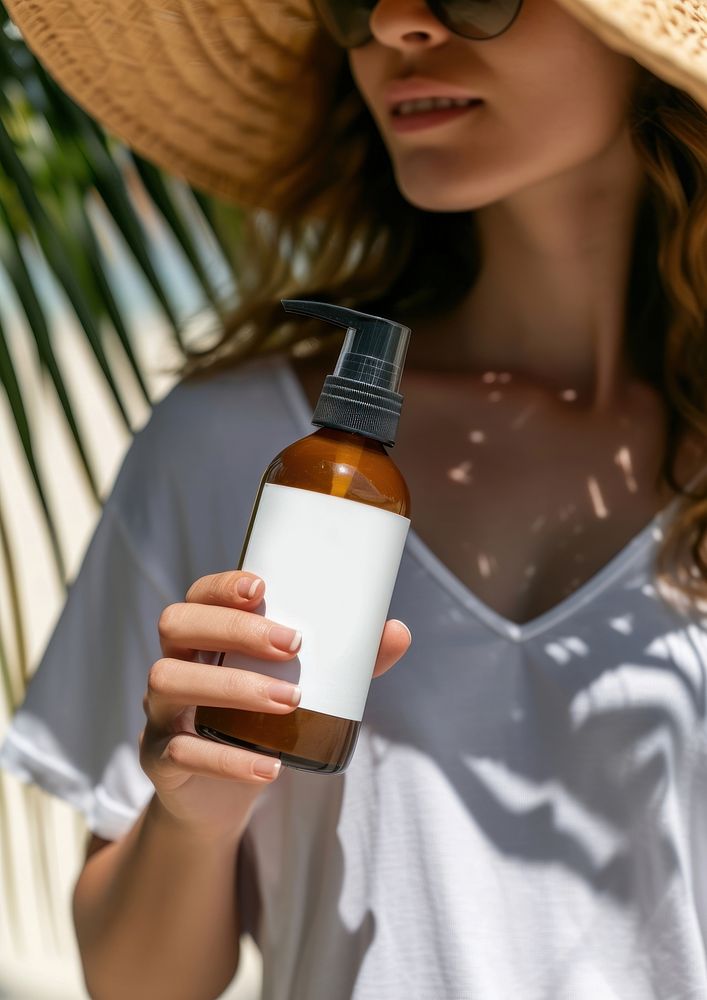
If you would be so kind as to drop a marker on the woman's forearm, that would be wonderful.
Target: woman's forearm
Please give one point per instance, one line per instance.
(155, 913)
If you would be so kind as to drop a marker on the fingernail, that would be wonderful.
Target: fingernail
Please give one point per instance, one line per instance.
(285, 693)
(404, 626)
(265, 768)
(247, 587)
(285, 638)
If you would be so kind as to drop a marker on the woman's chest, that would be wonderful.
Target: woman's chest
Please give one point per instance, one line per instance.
(524, 538)
(521, 497)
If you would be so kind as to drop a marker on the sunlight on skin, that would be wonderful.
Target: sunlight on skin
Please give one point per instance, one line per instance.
(588, 500)
(596, 498)
(623, 460)
(528, 573)
(486, 564)
(523, 417)
(460, 473)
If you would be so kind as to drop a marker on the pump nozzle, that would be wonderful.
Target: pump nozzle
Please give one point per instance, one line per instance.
(361, 395)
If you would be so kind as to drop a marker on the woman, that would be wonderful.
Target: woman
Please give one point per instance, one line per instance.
(526, 809)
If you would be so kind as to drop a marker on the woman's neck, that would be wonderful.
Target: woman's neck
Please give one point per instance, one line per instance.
(550, 301)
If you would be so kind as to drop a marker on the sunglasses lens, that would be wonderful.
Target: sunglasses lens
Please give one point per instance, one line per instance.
(476, 18)
(347, 20)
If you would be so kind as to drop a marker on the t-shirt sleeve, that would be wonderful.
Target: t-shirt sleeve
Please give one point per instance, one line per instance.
(76, 732)
(178, 510)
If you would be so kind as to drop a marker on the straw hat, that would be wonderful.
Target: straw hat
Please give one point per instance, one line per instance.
(224, 92)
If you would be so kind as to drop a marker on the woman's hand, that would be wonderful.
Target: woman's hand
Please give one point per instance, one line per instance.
(187, 770)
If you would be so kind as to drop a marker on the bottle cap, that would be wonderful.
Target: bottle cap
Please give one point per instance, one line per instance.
(362, 393)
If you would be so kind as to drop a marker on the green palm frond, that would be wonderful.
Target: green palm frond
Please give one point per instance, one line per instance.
(69, 193)
(54, 161)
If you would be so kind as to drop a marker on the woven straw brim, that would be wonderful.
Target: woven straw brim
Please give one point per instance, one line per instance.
(668, 37)
(219, 92)
(227, 93)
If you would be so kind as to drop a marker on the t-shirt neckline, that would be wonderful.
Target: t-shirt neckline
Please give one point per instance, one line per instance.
(517, 632)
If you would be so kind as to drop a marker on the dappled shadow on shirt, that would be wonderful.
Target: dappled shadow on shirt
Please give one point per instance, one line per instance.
(566, 749)
(507, 784)
(319, 944)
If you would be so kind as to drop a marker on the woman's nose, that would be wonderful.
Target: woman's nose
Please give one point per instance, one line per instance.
(406, 24)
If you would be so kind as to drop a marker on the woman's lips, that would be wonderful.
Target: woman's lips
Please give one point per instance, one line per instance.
(426, 119)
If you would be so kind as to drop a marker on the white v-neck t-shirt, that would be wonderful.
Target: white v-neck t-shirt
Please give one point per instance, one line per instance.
(525, 814)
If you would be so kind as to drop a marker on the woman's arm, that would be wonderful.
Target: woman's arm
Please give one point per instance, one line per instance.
(155, 912)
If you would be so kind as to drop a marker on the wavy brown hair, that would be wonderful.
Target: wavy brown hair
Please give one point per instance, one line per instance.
(377, 252)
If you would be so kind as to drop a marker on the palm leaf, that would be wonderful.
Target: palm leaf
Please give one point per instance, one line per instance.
(13, 261)
(103, 298)
(156, 187)
(55, 251)
(13, 685)
(62, 181)
(10, 383)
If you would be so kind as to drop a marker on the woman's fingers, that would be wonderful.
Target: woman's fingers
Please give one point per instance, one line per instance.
(172, 685)
(198, 756)
(233, 589)
(395, 641)
(223, 629)
(217, 616)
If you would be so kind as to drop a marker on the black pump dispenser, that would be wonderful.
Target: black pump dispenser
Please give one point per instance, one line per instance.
(361, 396)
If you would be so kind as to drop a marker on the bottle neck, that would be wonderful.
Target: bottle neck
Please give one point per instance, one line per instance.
(339, 436)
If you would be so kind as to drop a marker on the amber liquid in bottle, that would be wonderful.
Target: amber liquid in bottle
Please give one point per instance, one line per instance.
(342, 464)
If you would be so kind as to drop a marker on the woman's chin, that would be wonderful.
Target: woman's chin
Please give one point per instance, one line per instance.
(445, 189)
(427, 193)
(438, 197)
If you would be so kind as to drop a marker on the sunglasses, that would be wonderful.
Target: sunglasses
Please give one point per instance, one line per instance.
(347, 20)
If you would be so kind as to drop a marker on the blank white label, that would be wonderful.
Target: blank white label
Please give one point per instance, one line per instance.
(329, 566)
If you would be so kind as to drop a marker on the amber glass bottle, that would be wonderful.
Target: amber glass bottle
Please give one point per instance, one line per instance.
(327, 533)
